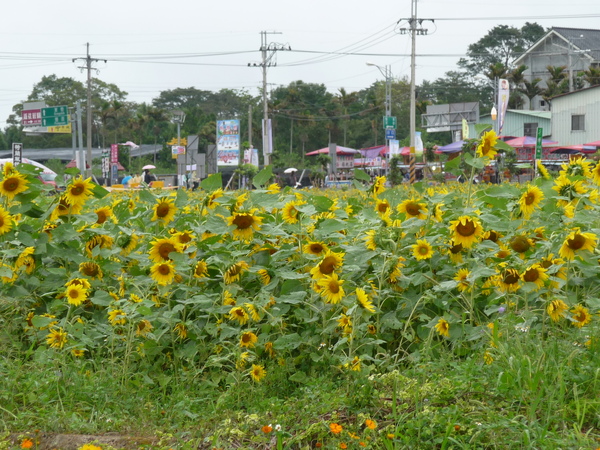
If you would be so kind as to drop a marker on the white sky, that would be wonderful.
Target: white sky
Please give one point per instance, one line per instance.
(41, 37)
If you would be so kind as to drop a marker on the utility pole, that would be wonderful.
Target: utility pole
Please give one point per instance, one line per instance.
(414, 31)
(268, 52)
(88, 66)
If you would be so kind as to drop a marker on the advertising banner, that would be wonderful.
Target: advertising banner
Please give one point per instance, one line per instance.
(503, 94)
(228, 142)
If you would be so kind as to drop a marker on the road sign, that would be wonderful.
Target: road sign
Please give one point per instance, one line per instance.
(389, 122)
(55, 116)
(17, 153)
(390, 133)
(538, 143)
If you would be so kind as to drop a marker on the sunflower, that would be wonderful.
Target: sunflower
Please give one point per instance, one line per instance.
(370, 240)
(181, 330)
(91, 269)
(6, 221)
(442, 327)
(104, 213)
(26, 260)
(143, 327)
(461, 278)
(328, 264)
(568, 189)
(345, 322)
(201, 269)
(163, 272)
(164, 210)
(257, 373)
(595, 173)
(63, 208)
(438, 212)
(238, 313)
(264, 276)
(396, 271)
(330, 287)
(382, 206)
(455, 252)
(555, 266)
(530, 200)
(117, 317)
(129, 243)
(581, 316)
(487, 145)
(315, 248)
(290, 213)
(353, 365)
(508, 279)
(576, 242)
(520, 243)
(556, 309)
(535, 274)
(422, 250)
(235, 271)
(79, 282)
(211, 199)
(245, 224)
(56, 338)
(248, 339)
(163, 247)
(228, 299)
(253, 313)
(76, 294)
(577, 166)
(100, 241)
(184, 237)
(364, 300)
(13, 185)
(542, 170)
(466, 231)
(413, 208)
(274, 188)
(8, 169)
(379, 185)
(78, 191)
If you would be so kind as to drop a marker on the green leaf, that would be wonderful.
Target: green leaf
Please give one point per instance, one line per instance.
(101, 298)
(288, 342)
(452, 164)
(212, 182)
(262, 177)
(98, 191)
(40, 322)
(321, 203)
(360, 174)
(299, 377)
(477, 163)
(481, 128)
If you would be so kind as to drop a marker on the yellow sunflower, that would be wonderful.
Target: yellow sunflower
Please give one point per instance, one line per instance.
(455, 252)
(181, 330)
(8, 169)
(63, 208)
(104, 213)
(315, 248)
(290, 213)
(143, 327)
(556, 309)
(442, 327)
(163, 272)
(248, 339)
(78, 191)
(117, 317)
(91, 269)
(568, 189)
(422, 250)
(128, 243)
(370, 240)
(508, 280)
(26, 260)
(235, 271)
(264, 276)
(596, 173)
(211, 199)
(364, 300)
(577, 242)
(164, 210)
(379, 185)
(382, 206)
(6, 221)
(535, 274)
(581, 316)
(238, 313)
(245, 224)
(163, 247)
(461, 278)
(274, 188)
(520, 243)
(466, 231)
(56, 338)
(487, 145)
(13, 185)
(330, 288)
(542, 170)
(79, 282)
(577, 166)
(76, 294)
(99, 240)
(201, 269)
(530, 200)
(328, 264)
(413, 208)
(257, 373)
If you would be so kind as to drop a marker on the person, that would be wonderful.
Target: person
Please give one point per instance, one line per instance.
(195, 180)
(137, 179)
(149, 177)
(127, 179)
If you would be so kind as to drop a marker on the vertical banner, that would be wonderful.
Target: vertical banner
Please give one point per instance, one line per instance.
(228, 142)
(394, 147)
(465, 129)
(333, 157)
(418, 143)
(503, 94)
(17, 153)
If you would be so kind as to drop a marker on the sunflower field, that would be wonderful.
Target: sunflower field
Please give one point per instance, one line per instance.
(268, 289)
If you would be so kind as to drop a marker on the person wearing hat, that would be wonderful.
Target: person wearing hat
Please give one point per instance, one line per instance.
(149, 177)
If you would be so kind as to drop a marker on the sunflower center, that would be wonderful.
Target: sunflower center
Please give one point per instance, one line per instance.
(382, 207)
(520, 244)
(164, 269)
(162, 210)
(11, 184)
(530, 198)
(316, 248)
(413, 209)
(577, 242)
(327, 265)
(423, 250)
(466, 228)
(511, 277)
(456, 249)
(334, 287)
(185, 238)
(243, 222)
(246, 338)
(90, 270)
(493, 236)
(165, 249)
(531, 276)
(73, 293)
(101, 217)
(77, 190)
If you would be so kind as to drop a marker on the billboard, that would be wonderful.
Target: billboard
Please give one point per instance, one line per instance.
(228, 142)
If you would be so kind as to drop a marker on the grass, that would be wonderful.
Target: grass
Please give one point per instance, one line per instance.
(542, 390)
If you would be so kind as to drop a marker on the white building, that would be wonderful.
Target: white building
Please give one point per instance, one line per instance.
(576, 116)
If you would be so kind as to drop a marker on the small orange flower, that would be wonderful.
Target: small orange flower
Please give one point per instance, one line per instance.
(456, 427)
(343, 445)
(26, 443)
(335, 428)
(267, 429)
(371, 424)
(391, 436)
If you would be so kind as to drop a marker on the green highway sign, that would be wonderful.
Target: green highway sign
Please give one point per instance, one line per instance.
(538, 144)
(389, 122)
(55, 116)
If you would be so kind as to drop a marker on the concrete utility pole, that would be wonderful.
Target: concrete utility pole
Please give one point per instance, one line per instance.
(268, 52)
(88, 65)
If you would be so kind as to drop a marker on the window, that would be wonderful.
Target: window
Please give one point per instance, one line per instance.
(578, 122)
(530, 129)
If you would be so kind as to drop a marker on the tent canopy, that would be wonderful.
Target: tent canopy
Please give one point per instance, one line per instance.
(528, 141)
(342, 151)
(455, 147)
(573, 149)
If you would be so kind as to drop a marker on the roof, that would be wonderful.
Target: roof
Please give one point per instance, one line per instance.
(66, 153)
(584, 39)
(578, 91)
(339, 150)
(539, 114)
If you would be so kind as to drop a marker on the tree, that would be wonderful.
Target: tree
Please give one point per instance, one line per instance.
(531, 89)
(591, 76)
(516, 78)
(502, 44)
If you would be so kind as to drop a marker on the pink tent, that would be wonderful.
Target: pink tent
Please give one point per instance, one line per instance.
(592, 144)
(342, 151)
(528, 141)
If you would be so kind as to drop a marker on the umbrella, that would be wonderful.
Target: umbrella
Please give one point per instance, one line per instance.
(148, 167)
(340, 151)
(455, 147)
(573, 149)
(593, 144)
(528, 141)
(290, 170)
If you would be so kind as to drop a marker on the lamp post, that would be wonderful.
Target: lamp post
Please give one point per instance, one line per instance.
(178, 117)
(386, 71)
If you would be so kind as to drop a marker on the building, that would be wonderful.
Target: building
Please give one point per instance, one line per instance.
(519, 123)
(576, 116)
(574, 48)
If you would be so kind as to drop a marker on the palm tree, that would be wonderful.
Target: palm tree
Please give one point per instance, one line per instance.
(591, 76)
(496, 71)
(517, 78)
(345, 99)
(531, 89)
(159, 121)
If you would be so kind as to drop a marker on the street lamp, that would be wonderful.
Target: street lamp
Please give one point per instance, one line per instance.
(178, 117)
(386, 71)
(494, 115)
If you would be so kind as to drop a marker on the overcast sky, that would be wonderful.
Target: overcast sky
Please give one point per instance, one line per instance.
(153, 45)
